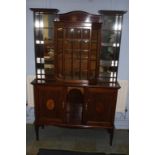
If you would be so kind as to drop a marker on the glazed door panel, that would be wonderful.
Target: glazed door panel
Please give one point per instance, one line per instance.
(77, 47)
(100, 106)
(51, 103)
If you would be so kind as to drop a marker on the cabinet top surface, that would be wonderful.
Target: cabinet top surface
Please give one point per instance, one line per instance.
(56, 11)
(59, 83)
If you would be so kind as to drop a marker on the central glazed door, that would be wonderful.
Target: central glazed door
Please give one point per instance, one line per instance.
(77, 50)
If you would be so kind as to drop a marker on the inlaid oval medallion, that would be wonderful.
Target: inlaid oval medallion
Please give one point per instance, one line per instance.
(99, 107)
(50, 104)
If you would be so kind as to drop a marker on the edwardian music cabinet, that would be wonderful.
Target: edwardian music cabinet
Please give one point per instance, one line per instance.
(76, 60)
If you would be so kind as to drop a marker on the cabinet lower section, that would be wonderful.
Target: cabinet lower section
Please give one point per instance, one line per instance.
(75, 106)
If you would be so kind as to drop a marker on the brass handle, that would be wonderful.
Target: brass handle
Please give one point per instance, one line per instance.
(86, 106)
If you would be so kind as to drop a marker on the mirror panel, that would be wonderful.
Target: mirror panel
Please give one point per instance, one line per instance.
(110, 46)
(44, 45)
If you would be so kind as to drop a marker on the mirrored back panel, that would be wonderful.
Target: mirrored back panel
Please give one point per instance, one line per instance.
(44, 44)
(110, 44)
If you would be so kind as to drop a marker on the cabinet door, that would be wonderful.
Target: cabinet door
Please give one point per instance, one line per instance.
(100, 106)
(77, 52)
(51, 104)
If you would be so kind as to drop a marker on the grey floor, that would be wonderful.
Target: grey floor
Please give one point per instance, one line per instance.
(89, 140)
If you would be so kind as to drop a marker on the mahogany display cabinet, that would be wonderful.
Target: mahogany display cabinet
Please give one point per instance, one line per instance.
(76, 61)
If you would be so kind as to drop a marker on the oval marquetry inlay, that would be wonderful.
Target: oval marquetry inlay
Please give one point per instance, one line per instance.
(50, 104)
(99, 107)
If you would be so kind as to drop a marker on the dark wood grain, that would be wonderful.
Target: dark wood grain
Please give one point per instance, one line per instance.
(79, 16)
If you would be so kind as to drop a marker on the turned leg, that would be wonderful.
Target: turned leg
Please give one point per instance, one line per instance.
(111, 132)
(37, 132)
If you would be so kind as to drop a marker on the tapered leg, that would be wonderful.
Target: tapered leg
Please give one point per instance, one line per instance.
(111, 132)
(37, 132)
(42, 126)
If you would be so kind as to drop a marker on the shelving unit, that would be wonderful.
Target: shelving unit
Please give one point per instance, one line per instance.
(44, 43)
(110, 44)
(76, 58)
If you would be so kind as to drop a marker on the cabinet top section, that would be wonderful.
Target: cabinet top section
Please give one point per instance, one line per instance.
(80, 16)
(42, 10)
(111, 12)
(101, 12)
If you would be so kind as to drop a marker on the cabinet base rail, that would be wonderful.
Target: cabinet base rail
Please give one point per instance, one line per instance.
(110, 131)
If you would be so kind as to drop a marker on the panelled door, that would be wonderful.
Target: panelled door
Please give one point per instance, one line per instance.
(100, 106)
(51, 103)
